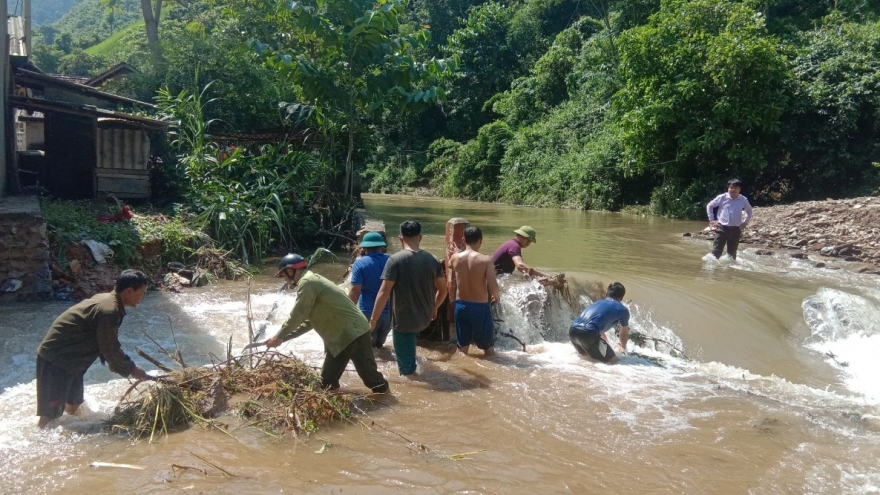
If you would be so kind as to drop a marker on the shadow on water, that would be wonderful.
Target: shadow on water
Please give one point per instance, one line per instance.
(441, 380)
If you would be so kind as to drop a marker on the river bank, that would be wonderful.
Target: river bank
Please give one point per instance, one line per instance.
(825, 232)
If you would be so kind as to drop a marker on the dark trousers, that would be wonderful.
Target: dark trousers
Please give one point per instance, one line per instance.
(56, 388)
(726, 234)
(359, 352)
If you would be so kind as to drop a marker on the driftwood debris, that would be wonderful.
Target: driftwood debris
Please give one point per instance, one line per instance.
(269, 390)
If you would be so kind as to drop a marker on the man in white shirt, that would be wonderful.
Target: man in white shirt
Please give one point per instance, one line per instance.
(726, 218)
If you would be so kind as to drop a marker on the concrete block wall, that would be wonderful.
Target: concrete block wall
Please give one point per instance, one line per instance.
(24, 250)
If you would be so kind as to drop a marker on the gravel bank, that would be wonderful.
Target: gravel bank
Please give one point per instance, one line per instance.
(820, 231)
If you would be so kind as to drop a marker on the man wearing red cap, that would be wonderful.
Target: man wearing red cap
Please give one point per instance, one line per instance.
(323, 307)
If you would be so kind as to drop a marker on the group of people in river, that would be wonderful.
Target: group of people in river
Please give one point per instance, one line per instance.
(398, 294)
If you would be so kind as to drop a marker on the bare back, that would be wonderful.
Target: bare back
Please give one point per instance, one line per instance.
(475, 275)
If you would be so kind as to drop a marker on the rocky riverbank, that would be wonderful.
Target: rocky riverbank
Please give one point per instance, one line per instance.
(820, 231)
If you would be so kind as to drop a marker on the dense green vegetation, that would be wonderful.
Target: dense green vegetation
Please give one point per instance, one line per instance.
(44, 11)
(600, 104)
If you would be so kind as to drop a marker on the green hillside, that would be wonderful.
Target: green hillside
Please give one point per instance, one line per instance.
(108, 47)
(89, 22)
(44, 11)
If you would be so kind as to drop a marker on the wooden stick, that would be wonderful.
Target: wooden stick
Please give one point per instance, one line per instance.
(176, 347)
(187, 468)
(115, 465)
(155, 362)
(211, 463)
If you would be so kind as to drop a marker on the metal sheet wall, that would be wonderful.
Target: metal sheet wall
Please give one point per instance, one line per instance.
(123, 166)
(125, 149)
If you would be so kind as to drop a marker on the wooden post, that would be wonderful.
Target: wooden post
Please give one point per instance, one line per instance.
(454, 244)
(4, 105)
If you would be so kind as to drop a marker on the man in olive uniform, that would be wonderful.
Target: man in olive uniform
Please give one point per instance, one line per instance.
(324, 307)
(86, 331)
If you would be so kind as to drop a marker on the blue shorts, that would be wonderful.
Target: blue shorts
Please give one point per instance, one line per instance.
(473, 323)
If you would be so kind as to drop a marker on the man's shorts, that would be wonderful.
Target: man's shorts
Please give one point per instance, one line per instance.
(589, 343)
(55, 388)
(473, 323)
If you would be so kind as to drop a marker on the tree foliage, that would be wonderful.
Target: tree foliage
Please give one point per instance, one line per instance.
(580, 103)
(349, 60)
(705, 89)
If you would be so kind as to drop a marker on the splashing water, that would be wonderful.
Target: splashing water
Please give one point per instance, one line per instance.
(846, 331)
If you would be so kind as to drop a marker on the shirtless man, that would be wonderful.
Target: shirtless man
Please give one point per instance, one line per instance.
(475, 274)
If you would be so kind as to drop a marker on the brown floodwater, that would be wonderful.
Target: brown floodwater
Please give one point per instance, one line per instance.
(779, 393)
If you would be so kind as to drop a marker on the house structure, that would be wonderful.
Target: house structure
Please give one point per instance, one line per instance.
(69, 138)
(74, 143)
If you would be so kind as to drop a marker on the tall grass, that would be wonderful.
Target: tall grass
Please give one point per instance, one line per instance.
(250, 201)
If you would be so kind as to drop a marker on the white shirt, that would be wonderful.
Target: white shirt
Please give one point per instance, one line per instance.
(730, 210)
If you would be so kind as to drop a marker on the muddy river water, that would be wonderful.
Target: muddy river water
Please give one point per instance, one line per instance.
(780, 392)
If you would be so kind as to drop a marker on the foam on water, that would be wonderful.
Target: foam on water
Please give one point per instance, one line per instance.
(652, 391)
(846, 330)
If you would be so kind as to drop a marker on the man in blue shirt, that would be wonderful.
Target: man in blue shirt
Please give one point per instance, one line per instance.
(726, 218)
(366, 279)
(587, 332)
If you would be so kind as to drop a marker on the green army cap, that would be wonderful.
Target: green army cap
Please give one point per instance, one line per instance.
(527, 232)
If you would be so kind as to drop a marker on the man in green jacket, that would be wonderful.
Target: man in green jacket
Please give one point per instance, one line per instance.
(324, 307)
(84, 332)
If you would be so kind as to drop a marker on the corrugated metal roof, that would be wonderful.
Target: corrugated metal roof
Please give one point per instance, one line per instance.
(15, 27)
(43, 105)
(34, 80)
(73, 79)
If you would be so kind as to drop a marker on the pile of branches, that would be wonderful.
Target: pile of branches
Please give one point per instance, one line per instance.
(219, 263)
(274, 392)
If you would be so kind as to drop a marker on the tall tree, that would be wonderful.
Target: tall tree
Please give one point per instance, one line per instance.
(705, 89)
(152, 10)
(348, 60)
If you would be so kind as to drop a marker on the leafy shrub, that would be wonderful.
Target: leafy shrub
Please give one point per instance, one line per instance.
(250, 201)
(685, 200)
(471, 170)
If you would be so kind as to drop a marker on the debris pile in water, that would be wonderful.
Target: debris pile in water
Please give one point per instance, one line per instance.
(277, 394)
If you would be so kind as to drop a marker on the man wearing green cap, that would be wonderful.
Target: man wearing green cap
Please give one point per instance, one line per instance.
(508, 257)
(366, 278)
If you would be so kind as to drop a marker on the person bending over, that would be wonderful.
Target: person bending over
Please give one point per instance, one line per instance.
(324, 307)
(508, 257)
(587, 332)
(83, 333)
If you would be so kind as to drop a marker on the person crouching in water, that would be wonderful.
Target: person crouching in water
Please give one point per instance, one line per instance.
(83, 333)
(587, 332)
(475, 276)
(324, 307)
